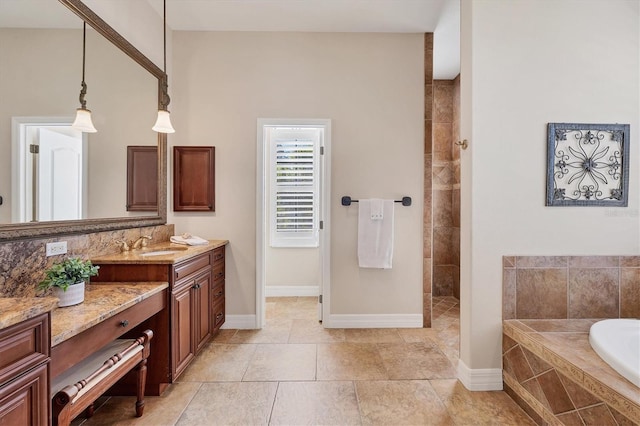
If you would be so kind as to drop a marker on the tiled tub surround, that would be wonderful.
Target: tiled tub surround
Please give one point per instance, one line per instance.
(550, 370)
(22, 263)
(549, 367)
(558, 287)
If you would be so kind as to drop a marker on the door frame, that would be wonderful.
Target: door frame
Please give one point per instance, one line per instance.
(262, 208)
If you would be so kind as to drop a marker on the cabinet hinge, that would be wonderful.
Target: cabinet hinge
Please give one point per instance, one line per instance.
(34, 149)
(322, 224)
(320, 299)
(322, 150)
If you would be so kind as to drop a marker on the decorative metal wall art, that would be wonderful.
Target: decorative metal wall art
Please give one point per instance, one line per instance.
(587, 164)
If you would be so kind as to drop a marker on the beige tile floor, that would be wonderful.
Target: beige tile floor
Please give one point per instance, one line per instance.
(295, 372)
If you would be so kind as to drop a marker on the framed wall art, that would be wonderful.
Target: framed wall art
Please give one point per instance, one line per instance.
(587, 164)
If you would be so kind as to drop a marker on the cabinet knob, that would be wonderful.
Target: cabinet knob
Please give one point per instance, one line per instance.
(219, 316)
(218, 294)
(195, 286)
(124, 323)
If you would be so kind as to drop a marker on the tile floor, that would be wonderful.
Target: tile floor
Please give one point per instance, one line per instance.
(295, 372)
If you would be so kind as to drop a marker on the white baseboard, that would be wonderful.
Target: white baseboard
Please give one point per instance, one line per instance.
(291, 290)
(241, 322)
(373, 321)
(480, 379)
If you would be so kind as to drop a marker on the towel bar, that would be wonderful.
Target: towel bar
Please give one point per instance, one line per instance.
(346, 201)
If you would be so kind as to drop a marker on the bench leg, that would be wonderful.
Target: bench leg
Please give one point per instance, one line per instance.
(141, 371)
(90, 410)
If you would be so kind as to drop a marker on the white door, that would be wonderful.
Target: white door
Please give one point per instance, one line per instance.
(60, 176)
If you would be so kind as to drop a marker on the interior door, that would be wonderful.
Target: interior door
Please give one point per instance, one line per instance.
(60, 176)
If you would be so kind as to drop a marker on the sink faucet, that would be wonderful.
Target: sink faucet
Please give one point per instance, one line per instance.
(141, 242)
(124, 246)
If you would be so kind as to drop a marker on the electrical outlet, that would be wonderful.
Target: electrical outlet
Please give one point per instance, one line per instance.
(55, 249)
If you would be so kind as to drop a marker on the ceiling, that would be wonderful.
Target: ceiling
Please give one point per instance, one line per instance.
(442, 17)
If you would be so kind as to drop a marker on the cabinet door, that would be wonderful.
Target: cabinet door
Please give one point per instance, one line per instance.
(182, 305)
(193, 178)
(25, 401)
(202, 314)
(142, 178)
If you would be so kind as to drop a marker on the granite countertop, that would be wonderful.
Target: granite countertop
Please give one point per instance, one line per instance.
(180, 253)
(101, 301)
(17, 309)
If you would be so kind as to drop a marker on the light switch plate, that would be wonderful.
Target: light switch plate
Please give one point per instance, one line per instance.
(55, 249)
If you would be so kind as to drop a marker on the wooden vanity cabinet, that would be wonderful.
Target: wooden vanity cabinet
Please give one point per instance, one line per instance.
(191, 323)
(24, 372)
(196, 310)
(217, 292)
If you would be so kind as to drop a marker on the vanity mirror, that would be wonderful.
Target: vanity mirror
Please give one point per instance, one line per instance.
(41, 86)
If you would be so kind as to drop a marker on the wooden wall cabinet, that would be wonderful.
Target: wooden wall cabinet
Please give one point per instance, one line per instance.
(24, 372)
(142, 178)
(196, 311)
(193, 178)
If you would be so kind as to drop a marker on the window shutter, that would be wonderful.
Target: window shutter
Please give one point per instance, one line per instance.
(295, 188)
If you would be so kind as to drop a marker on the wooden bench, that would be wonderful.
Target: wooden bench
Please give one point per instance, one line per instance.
(78, 388)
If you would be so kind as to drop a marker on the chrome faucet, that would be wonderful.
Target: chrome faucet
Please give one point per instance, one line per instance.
(141, 242)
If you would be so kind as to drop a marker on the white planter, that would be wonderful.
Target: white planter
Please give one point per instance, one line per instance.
(73, 296)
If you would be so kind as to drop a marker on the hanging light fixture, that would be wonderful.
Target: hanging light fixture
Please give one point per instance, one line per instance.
(83, 121)
(163, 123)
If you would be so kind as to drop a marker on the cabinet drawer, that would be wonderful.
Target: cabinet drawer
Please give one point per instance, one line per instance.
(75, 349)
(217, 316)
(218, 272)
(23, 346)
(190, 266)
(217, 293)
(218, 255)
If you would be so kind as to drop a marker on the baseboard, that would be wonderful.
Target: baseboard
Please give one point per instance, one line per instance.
(480, 379)
(291, 290)
(373, 321)
(241, 322)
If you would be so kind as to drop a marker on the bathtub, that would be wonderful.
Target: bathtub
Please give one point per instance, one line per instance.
(617, 342)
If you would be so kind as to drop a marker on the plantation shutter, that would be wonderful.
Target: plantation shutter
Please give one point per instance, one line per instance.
(295, 188)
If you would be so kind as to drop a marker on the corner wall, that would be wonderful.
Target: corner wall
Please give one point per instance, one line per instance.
(525, 63)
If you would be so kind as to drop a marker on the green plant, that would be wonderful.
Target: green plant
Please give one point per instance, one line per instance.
(68, 272)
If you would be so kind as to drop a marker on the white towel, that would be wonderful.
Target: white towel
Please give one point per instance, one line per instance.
(377, 209)
(375, 236)
(192, 240)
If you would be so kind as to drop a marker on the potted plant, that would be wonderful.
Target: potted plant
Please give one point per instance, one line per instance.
(67, 280)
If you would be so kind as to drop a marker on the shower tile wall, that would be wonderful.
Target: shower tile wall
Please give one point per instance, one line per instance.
(556, 287)
(22, 263)
(446, 188)
(428, 220)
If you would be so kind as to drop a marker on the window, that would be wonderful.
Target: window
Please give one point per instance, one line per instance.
(294, 158)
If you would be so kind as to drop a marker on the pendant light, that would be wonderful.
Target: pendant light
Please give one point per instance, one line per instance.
(83, 121)
(163, 123)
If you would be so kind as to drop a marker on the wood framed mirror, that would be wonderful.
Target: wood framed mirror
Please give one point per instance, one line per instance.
(104, 220)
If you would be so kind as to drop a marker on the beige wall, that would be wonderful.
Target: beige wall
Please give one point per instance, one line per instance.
(525, 64)
(292, 266)
(369, 85)
(41, 74)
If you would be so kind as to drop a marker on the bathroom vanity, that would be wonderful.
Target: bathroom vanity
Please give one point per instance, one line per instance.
(195, 306)
(39, 342)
